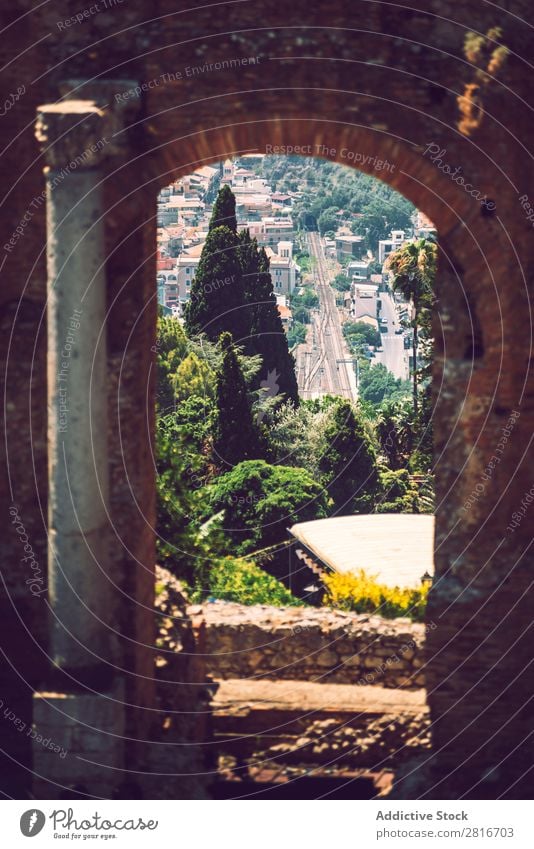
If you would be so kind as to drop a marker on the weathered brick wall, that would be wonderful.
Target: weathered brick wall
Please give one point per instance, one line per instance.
(308, 644)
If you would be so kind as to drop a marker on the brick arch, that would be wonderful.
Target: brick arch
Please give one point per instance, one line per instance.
(476, 376)
(473, 391)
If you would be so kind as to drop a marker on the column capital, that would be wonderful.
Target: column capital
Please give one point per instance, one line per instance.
(73, 131)
(88, 124)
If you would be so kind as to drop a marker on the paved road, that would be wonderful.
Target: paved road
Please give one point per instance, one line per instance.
(394, 356)
(320, 367)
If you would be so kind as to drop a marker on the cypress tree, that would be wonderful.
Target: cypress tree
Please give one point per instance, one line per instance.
(232, 291)
(223, 213)
(266, 331)
(349, 462)
(217, 297)
(236, 437)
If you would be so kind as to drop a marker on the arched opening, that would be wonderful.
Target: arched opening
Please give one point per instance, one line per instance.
(235, 520)
(459, 366)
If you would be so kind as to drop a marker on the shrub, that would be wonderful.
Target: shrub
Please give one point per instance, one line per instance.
(360, 333)
(235, 579)
(359, 592)
(398, 495)
(260, 501)
(348, 464)
(296, 334)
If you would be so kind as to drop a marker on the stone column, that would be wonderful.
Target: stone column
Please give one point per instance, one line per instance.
(82, 712)
(73, 135)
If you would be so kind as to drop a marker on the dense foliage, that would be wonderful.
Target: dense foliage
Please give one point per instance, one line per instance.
(260, 501)
(330, 192)
(414, 269)
(377, 384)
(349, 462)
(236, 436)
(239, 457)
(237, 579)
(265, 332)
(359, 333)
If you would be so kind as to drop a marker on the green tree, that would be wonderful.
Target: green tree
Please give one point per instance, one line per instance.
(236, 437)
(414, 270)
(193, 377)
(395, 430)
(181, 546)
(372, 223)
(377, 384)
(341, 282)
(348, 463)
(361, 333)
(171, 347)
(328, 220)
(297, 435)
(260, 501)
(217, 295)
(266, 335)
(398, 495)
(223, 212)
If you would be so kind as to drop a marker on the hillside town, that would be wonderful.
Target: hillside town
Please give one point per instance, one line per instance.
(184, 209)
(297, 264)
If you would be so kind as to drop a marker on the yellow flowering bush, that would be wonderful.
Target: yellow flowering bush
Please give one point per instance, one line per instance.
(362, 593)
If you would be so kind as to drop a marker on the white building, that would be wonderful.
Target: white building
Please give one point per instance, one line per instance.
(276, 230)
(364, 302)
(187, 264)
(227, 172)
(357, 269)
(387, 246)
(284, 311)
(284, 269)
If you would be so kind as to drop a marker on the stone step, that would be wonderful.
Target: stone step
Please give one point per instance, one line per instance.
(241, 697)
(301, 722)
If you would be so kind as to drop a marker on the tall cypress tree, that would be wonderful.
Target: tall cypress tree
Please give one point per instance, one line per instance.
(236, 437)
(223, 213)
(217, 297)
(266, 331)
(348, 462)
(232, 291)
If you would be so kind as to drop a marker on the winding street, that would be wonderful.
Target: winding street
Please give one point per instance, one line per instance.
(394, 356)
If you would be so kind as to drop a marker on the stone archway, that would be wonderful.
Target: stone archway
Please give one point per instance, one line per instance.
(479, 655)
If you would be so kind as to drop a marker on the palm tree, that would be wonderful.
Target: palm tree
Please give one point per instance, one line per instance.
(396, 432)
(414, 269)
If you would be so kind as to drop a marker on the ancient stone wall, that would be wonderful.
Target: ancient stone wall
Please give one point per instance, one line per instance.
(311, 644)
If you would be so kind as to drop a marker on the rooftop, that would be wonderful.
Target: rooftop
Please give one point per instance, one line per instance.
(397, 548)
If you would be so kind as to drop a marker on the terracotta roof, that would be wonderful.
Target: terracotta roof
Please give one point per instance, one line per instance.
(195, 251)
(166, 263)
